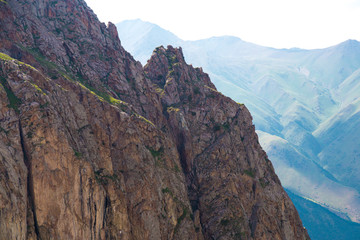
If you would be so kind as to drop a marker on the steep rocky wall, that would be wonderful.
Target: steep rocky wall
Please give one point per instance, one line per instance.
(93, 146)
(65, 38)
(231, 182)
(83, 168)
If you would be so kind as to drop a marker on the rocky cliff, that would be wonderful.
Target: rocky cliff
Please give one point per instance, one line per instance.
(94, 146)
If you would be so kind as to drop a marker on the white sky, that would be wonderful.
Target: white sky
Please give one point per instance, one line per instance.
(275, 23)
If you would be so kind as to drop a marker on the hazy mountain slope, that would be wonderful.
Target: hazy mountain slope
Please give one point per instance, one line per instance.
(141, 38)
(348, 90)
(331, 66)
(305, 178)
(323, 224)
(339, 134)
(339, 137)
(291, 92)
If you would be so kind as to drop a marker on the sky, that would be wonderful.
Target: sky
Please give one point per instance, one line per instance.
(307, 24)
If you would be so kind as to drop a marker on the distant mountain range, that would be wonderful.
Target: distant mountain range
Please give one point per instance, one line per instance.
(322, 223)
(305, 105)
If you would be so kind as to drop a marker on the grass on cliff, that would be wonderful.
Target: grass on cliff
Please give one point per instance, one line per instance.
(156, 153)
(144, 119)
(104, 179)
(172, 109)
(8, 58)
(54, 70)
(14, 102)
(3, 130)
(167, 190)
(250, 172)
(180, 219)
(5, 57)
(263, 182)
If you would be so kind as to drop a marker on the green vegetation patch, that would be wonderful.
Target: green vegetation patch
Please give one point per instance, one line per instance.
(103, 178)
(54, 70)
(3, 1)
(216, 128)
(167, 190)
(144, 119)
(38, 88)
(172, 60)
(29, 135)
(14, 102)
(263, 182)
(77, 154)
(156, 153)
(43, 106)
(196, 90)
(3, 130)
(212, 89)
(102, 96)
(115, 101)
(92, 92)
(172, 109)
(5, 57)
(180, 219)
(176, 169)
(224, 222)
(159, 90)
(250, 172)
(83, 127)
(240, 104)
(226, 126)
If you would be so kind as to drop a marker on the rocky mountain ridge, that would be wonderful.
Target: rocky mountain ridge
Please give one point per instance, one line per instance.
(306, 120)
(94, 146)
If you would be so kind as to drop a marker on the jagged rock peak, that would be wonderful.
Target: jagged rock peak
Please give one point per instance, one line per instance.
(215, 136)
(170, 50)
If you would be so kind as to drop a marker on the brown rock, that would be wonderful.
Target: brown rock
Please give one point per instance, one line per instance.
(93, 146)
(230, 179)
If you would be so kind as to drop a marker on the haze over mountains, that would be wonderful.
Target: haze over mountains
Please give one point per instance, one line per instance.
(305, 105)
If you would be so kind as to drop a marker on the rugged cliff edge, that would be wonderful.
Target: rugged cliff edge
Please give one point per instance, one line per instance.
(93, 146)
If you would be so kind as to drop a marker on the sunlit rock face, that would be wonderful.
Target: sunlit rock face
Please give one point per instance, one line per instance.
(95, 146)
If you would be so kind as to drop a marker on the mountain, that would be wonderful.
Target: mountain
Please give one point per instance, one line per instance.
(339, 138)
(305, 109)
(95, 146)
(325, 224)
(143, 37)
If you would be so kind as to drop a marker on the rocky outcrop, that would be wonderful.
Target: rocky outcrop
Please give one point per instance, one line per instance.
(93, 146)
(88, 170)
(230, 180)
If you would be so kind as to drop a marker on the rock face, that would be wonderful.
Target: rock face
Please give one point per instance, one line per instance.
(93, 146)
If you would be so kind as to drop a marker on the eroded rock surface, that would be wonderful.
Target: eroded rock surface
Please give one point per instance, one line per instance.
(94, 146)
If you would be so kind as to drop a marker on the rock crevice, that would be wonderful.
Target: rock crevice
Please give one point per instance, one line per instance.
(31, 210)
